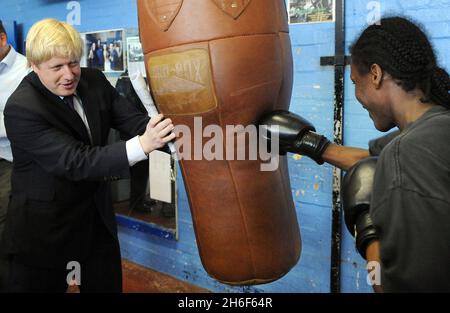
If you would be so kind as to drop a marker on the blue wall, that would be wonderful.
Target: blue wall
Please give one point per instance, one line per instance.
(313, 96)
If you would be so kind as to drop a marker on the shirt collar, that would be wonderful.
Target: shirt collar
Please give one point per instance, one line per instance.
(10, 57)
(434, 110)
(75, 95)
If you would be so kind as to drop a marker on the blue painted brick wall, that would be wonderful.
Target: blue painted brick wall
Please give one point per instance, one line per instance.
(312, 97)
(95, 15)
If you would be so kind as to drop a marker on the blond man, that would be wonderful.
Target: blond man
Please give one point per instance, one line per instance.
(61, 225)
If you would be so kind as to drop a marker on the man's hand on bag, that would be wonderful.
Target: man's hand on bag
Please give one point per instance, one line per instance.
(158, 133)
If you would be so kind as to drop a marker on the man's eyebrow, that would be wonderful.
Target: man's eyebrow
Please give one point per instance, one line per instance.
(61, 64)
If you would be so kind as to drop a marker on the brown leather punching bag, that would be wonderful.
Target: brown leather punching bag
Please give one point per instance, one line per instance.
(228, 62)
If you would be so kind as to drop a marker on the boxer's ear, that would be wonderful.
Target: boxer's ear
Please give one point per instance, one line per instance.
(376, 75)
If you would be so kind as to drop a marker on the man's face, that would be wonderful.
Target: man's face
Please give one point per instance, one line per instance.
(59, 75)
(4, 47)
(372, 95)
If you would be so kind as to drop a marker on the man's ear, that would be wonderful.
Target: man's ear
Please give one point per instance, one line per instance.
(376, 75)
(34, 67)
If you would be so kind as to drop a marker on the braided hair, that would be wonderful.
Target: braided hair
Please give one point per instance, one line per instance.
(403, 50)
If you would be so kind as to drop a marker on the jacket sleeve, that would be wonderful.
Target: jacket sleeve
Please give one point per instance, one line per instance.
(59, 153)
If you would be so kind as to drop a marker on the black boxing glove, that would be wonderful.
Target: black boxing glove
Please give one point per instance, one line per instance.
(356, 193)
(296, 134)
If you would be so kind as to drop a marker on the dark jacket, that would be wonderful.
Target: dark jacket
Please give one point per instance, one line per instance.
(60, 178)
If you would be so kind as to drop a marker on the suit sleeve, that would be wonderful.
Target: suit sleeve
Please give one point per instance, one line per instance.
(59, 153)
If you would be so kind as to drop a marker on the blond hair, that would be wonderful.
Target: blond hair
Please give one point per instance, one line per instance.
(50, 38)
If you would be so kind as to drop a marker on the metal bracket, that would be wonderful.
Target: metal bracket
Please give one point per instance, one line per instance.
(338, 60)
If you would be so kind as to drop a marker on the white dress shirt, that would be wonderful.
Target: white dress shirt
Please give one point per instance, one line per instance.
(135, 153)
(13, 68)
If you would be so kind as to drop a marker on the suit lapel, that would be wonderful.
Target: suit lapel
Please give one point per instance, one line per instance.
(65, 117)
(92, 110)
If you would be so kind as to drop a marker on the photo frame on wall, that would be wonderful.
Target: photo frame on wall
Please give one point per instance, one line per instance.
(310, 11)
(135, 56)
(104, 50)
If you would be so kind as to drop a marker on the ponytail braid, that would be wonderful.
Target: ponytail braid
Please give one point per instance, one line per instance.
(440, 87)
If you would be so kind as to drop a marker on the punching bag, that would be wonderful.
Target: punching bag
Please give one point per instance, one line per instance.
(227, 62)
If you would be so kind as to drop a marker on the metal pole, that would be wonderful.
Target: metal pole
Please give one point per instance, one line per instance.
(340, 62)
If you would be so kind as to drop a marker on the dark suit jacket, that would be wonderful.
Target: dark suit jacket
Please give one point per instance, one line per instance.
(60, 178)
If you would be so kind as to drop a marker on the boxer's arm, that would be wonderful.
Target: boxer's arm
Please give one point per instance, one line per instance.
(373, 255)
(297, 135)
(343, 157)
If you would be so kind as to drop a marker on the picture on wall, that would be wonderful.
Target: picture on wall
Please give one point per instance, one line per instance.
(104, 50)
(311, 11)
(135, 56)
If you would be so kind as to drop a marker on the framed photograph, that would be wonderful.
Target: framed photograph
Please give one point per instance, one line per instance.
(104, 50)
(311, 11)
(135, 56)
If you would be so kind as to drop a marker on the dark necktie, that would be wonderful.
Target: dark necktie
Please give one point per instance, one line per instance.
(69, 102)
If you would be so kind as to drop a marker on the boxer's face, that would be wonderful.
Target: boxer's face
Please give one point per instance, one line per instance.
(371, 93)
(60, 75)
